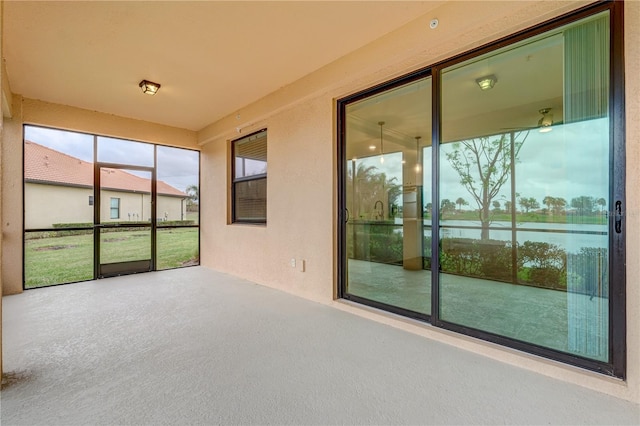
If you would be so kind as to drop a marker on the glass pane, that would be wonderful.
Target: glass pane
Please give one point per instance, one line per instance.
(124, 244)
(58, 179)
(251, 200)
(120, 151)
(524, 190)
(388, 149)
(125, 196)
(177, 247)
(178, 174)
(251, 155)
(57, 257)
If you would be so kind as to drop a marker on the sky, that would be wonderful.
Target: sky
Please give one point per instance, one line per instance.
(570, 161)
(177, 167)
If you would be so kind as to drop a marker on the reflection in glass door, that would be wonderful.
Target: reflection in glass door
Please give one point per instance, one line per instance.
(528, 259)
(388, 199)
(124, 217)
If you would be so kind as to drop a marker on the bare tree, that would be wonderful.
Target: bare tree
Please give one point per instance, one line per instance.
(484, 165)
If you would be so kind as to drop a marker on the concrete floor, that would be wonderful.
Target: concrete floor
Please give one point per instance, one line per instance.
(569, 322)
(194, 346)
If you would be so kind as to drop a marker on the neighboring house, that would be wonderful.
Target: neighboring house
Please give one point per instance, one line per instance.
(59, 189)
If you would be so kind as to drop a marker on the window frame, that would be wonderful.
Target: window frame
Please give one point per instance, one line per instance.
(616, 366)
(238, 180)
(111, 208)
(94, 227)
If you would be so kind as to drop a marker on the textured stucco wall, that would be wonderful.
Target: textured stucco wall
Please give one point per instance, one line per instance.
(12, 200)
(82, 120)
(632, 96)
(2, 88)
(300, 207)
(302, 190)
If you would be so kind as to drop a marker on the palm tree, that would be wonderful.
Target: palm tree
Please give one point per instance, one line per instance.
(461, 202)
(193, 195)
(549, 202)
(371, 186)
(601, 202)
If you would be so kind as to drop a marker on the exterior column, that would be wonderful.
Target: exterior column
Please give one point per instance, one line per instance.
(412, 210)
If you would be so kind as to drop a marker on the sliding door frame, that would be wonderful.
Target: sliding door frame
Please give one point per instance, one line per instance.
(616, 232)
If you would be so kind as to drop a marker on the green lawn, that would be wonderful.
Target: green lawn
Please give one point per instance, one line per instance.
(56, 260)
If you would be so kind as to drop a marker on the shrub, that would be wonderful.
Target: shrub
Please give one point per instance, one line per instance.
(545, 264)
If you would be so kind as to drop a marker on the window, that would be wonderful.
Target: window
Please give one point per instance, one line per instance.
(249, 172)
(115, 208)
(90, 200)
(511, 236)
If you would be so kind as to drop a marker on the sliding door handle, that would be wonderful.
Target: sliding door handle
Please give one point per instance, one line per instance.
(618, 217)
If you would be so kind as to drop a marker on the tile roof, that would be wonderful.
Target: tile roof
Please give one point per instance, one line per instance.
(42, 164)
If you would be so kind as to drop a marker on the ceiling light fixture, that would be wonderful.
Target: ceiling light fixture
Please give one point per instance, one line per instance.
(546, 121)
(486, 82)
(149, 87)
(381, 123)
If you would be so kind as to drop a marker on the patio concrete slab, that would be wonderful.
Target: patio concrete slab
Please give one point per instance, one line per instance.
(195, 346)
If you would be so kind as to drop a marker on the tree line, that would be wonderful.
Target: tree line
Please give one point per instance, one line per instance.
(583, 205)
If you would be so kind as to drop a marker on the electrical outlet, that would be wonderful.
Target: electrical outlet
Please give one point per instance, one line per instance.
(293, 262)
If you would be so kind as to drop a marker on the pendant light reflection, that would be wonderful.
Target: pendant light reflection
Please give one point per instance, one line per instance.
(381, 123)
(486, 82)
(546, 121)
(418, 153)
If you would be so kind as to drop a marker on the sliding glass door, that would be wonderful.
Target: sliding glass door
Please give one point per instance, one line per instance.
(528, 258)
(388, 197)
(484, 195)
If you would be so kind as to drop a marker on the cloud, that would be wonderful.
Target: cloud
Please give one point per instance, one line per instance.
(177, 167)
(79, 145)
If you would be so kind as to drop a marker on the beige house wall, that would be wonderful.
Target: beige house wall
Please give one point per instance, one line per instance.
(46, 205)
(139, 206)
(302, 189)
(171, 208)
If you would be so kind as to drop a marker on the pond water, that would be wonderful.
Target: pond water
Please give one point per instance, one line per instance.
(568, 236)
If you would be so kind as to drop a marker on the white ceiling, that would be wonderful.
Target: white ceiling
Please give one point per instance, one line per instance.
(211, 58)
